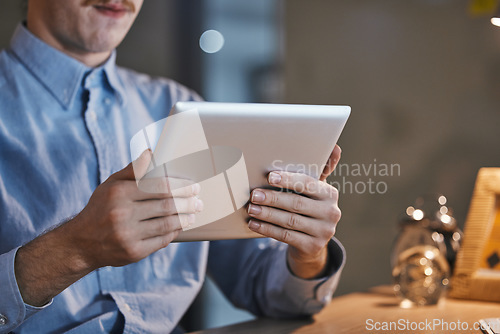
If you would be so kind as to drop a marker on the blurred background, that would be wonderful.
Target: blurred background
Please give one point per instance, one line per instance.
(422, 78)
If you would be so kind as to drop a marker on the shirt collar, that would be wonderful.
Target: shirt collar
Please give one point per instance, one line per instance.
(61, 74)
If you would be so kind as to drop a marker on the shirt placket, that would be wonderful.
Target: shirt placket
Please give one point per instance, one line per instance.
(96, 115)
(98, 103)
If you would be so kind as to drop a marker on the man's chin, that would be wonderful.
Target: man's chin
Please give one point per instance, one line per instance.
(104, 41)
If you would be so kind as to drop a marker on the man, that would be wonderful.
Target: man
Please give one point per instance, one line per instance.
(67, 114)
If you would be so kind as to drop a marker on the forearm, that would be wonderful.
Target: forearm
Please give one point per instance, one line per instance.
(49, 264)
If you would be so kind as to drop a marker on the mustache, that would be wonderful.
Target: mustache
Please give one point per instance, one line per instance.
(129, 5)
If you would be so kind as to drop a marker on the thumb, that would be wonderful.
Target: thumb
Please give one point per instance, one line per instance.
(332, 163)
(137, 168)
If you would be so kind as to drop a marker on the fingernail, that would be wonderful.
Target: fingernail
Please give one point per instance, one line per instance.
(199, 205)
(258, 196)
(253, 225)
(196, 188)
(254, 209)
(274, 178)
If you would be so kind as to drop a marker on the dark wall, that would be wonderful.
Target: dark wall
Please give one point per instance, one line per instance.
(423, 80)
(11, 12)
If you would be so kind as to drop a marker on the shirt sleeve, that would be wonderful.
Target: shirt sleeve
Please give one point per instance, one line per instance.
(254, 275)
(13, 310)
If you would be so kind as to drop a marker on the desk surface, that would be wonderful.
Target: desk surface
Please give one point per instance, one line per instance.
(369, 312)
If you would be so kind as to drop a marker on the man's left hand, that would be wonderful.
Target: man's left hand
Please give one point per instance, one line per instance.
(305, 219)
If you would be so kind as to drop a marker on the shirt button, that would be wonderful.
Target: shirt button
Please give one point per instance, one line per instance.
(3, 320)
(92, 115)
(107, 101)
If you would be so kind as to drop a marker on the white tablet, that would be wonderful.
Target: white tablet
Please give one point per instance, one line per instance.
(229, 148)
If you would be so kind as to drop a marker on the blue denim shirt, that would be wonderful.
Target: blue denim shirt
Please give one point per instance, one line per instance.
(64, 129)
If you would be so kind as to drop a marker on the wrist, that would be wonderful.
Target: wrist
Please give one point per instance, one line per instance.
(71, 240)
(47, 265)
(307, 266)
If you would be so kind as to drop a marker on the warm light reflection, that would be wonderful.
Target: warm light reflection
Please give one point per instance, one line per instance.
(446, 219)
(442, 200)
(410, 210)
(406, 303)
(428, 282)
(437, 237)
(418, 214)
(443, 210)
(495, 21)
(429, 254)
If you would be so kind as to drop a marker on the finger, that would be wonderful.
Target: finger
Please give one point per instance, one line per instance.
(332, 162)
(154, 244)
(167, 206)
(296, 239)
(163, 187)
(302, 184)
(164, 225)
(135, 194)
(288, 220)
(288, 201)
(136, 169)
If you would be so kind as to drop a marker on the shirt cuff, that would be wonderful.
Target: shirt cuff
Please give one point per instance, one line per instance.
(13, 310)
(310, 296)
(336, 262)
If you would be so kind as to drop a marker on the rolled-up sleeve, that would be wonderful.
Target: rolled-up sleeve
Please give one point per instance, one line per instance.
(13, 310)
(255, 276)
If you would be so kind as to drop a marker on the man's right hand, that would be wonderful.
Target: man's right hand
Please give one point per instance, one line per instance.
(121, 224)
(124, 223)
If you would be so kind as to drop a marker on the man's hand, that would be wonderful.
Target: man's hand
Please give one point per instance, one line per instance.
(121, 224)
(306, 219)
(124, 223)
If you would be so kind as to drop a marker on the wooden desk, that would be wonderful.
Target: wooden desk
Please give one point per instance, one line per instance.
(351, 314)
